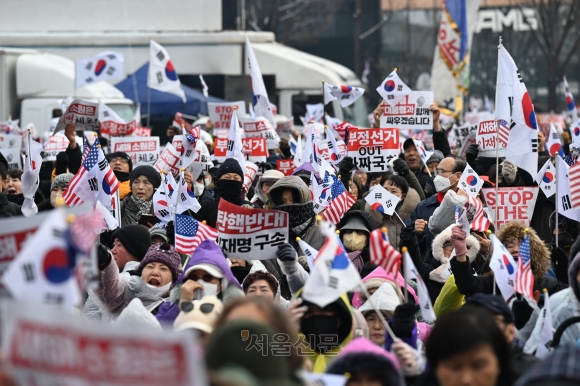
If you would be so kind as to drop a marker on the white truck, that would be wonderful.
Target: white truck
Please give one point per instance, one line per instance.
(32, 83)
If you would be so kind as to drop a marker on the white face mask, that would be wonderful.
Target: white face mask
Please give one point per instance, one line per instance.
(207, 181)
(209, 289)
(159, 291)
(198, 189)
(442, 184)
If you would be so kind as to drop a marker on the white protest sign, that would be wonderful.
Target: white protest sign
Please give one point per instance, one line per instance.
(250, 234)
(284, 129)
(13, 158)
(84, 114)
(260, 127)
(464, 136)
(10, 141)
(515, 203)
(372, 149)
(254, 149)
(50, 346)
(411, 112)
(221, 116)
(54, 145)
(168, 160)
(249, 175)
(142, 150)
(487, 137)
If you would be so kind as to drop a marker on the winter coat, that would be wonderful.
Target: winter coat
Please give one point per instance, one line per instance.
(7, 208)
(130, 211)
(424, 211)
(444, 215)
(370, 224)
(124, 189)
(209, 210)
(392, 223)
(440, 143)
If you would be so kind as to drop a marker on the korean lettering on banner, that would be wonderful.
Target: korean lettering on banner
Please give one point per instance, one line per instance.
(372, 149)
(29, 333)
(143, 151)
(326, 152)
(412, 112)
(286, 166)
(221, 116)
(487, 137)
(261, 127)
(250, 234)
(464, 136)
(85, 115)
(178, 143)
(142, 132)
(54, 145)
(512, 204)
(116, 129)
(254, 149)
(249, 175)
(168, 161)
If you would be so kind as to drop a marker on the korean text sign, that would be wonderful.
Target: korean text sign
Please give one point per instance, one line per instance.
(221, 116)
(372, 149)
(254, 148)
(488, 139)
(250, 234)
(142, 150)
(512, 204)
(261, 127)
(412, 112)
(85, 115)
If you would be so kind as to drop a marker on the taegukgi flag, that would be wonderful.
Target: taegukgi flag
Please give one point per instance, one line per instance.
(162, 75)
(103, 66)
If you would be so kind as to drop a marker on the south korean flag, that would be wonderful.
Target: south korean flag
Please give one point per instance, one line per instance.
(381, 200)
(105, 65)
(162, 75)
(470, 182)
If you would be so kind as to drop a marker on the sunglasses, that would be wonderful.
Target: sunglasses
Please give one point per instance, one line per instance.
(205, 308)
(206, 277)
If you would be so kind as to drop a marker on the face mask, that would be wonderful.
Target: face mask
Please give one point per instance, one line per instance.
(316, 326)
(240, 273)
(209, 289)
(53, 199)
(230, 190)
(355, 241)
(442, 184)
(198, 189)
(565, 241)
(159, 291)
(207, 181)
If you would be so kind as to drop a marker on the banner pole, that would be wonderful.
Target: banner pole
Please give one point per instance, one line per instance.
(556, 156)
(404, 263)
(496, 162)
(148, 107)
(379, 313)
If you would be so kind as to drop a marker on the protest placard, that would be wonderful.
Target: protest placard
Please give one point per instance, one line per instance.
(82, 113)
(286, 166)
(49, 346)
(327, 155)
(142, 132)
(284, 129)
(142, 150)
(54, 145)
(464, 136)
(411, 112)
(488, 139)
(168, 161)
(250, 234)
(116, 129)
(13, 158)
(372, 149)
(260, 127)
(249, 175)
(221, 116)
(10, 141)
(254, 149)
(512, 204)
(544, 120)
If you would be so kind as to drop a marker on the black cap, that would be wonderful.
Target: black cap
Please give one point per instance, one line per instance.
(408, 142)
(494, 303)
(230, 166)
(120, 154)
(148, 171)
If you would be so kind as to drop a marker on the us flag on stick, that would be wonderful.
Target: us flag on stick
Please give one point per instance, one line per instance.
(383, 253)
(524, 276)
(574, 178)
(189, 233)
(340, 202)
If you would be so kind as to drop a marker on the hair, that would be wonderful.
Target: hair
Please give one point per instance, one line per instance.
(174, 129)
(277, 318)
(397, 181)
(260, 275)
(3, 173)
(15, 173)
(460, 163)
(468, 328)
(356, 180)
(387, 314)
(372, 176)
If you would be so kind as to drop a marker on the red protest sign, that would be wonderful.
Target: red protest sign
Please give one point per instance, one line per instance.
(168, 160)
(82, 113)
(116, 129)
(254, 148)
(286, 166)
(372, 149)
(250, 234)
(142, 132)
(511, 203)
(54, 145)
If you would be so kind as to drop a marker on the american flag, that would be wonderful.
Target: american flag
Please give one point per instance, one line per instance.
(480, 222)
(569, 160)
(340, 202)
(83, 228)
(574, 180)
(79, 189)
(504, 131)
(383, 253)
(189, 233)
(524, 275)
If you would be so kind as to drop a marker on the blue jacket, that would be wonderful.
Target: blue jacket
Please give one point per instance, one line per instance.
(424, 211)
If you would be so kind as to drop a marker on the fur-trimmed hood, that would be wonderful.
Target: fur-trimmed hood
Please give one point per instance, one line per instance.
(437, 252)
(539, 252)
(404, 211)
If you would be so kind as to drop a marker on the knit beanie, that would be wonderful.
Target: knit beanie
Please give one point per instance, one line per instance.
(61, 181)
(135, 239)
(230, 166)
(121, 154)
(164, 254)
(148, 171)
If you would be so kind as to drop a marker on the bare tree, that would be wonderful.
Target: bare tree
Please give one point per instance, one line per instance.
(557, 36)
(293, 21)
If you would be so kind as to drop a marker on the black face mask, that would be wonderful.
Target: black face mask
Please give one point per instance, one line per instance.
(121, 176)
(315, 326)
(230, 190)
(565, 241)
(240, 273)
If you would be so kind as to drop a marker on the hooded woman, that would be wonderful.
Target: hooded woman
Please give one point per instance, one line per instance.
(409, 200)
(355, 228)
(207, 273)
(150, 282)
(144, 180)
(263, 186)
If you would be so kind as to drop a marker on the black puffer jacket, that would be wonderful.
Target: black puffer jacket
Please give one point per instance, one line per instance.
(7, 208)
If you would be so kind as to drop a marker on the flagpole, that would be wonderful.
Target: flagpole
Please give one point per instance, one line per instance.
(323, 95)
(496, 163)
(148, 106)
(162, 172)
(399, 218)
(488, 232)
(379, 313)
(556, 156)
(29, 160)
(405, 250)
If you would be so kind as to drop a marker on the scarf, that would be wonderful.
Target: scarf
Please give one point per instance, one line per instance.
(143, 206)
(300, 217)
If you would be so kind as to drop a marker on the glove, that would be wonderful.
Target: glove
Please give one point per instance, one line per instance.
(345, 165)
(522, 312)
(401, 167)
(408, 236)
(286, 252)
(458, 240)
(471, 154)
(62, 161)
(103, 255)
(509, 172)
(404, 320)
(170, 232)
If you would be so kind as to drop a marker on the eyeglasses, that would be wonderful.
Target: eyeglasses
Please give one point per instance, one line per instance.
(441, 171)
(206, 277)
(205, 308)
